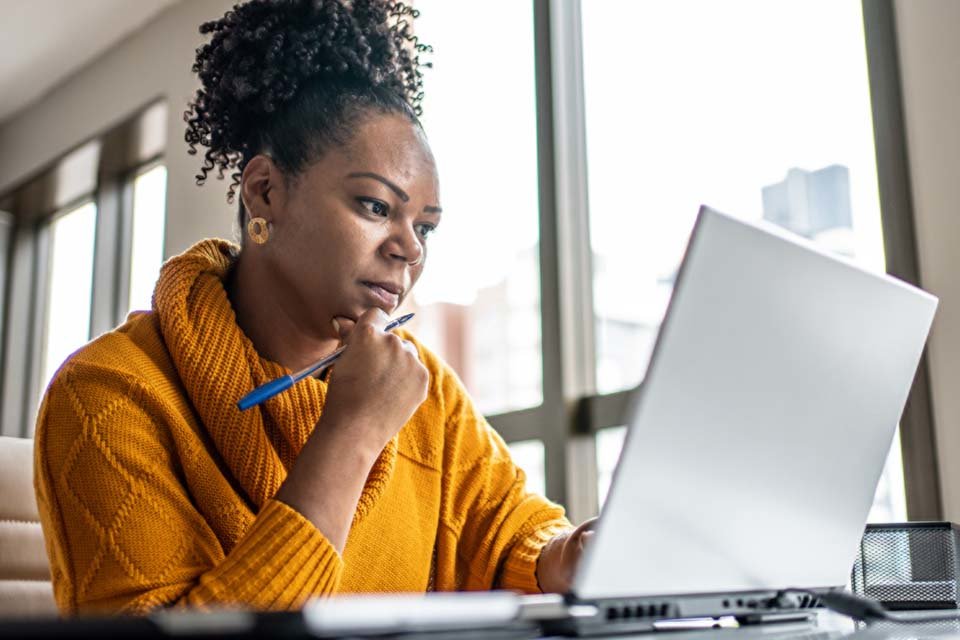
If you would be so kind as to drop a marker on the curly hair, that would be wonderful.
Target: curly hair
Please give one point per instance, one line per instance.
(292, 77)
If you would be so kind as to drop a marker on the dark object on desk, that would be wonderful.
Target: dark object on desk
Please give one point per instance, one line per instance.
(227, 625)
(911, 565)
(165, 625)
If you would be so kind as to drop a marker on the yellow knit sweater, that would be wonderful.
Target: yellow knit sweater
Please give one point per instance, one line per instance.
(155, 490)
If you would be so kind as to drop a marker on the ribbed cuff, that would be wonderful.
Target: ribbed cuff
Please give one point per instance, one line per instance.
(281, 561)
(520, 568)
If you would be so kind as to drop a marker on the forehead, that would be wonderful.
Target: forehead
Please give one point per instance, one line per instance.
(392, 146)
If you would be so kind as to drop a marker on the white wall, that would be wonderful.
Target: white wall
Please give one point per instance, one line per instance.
(929, 38)
(153, 62)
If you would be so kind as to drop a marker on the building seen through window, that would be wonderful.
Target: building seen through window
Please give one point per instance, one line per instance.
(701, 118)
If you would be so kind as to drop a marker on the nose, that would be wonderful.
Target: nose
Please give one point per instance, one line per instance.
(404, 244)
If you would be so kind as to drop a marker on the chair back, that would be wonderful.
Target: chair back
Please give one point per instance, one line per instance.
(25, 588)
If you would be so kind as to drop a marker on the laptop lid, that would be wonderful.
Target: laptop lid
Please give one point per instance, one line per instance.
(756, 442)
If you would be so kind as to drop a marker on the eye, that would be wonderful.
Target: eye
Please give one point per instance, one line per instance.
(375, 207)
(424, 229)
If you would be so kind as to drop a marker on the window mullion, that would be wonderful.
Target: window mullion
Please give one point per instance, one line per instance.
(20, 330)
(573, 225)
(124, 260)
(39, 304)
(553, 426)
(575, 263)
(566, 296)
(105, 257)
(7, 229)
(523, 424)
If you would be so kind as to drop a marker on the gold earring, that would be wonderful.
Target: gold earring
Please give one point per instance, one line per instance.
(258, 230)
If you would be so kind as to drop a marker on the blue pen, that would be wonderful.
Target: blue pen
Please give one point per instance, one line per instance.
(272, 388)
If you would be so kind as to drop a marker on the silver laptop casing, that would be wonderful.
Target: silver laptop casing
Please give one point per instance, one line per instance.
(757, 439)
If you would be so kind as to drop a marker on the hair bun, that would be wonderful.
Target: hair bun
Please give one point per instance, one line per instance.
(263, 52)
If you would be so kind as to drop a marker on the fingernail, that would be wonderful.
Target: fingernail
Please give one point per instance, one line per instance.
(336, 325)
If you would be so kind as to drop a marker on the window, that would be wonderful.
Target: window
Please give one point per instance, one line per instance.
(85, 247)
(67, 322)
(609, 443)
(784, 136)
(529, 456)
(748, 117)
(478, 302)
(573, 149)
(146, 244)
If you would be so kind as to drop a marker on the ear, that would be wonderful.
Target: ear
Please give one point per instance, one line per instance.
(263, 188)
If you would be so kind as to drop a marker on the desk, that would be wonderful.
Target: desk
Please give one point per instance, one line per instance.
(827, 626)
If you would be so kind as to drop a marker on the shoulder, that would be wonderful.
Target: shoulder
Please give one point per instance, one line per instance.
(131, 356)
(119, 382)
(446, 388)
(433, 428)
(461, 428)
(137, 338)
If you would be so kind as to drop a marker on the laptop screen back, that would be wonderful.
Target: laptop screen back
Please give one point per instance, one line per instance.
(757, 440)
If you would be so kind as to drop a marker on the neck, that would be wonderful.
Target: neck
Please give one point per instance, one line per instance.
(266, 315)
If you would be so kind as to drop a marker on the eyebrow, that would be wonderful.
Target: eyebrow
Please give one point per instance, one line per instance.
(397, 190)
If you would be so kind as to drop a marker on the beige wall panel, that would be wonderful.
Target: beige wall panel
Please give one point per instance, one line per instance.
(929, 40)
(153, 62)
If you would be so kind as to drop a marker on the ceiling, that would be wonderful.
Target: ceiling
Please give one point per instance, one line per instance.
(45, 41)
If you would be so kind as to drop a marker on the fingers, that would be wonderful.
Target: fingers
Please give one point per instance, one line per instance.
(344, 326)
(408, 346)
(374, 317)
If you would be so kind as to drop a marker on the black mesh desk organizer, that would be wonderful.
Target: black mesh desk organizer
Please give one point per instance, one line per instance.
(912, 565)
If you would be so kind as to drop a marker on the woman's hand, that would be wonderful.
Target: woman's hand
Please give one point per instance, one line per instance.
(377, 384)
(560, 557)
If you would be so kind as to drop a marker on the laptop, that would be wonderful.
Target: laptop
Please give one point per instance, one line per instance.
(758, 437)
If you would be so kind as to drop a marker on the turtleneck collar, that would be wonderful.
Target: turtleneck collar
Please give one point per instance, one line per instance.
(218, 364)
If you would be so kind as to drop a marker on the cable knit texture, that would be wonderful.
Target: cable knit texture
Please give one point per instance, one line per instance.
(155, 490)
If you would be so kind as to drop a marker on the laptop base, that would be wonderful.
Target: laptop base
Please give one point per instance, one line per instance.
(635, 615)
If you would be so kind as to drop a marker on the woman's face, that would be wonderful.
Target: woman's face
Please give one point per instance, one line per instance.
(351, 232)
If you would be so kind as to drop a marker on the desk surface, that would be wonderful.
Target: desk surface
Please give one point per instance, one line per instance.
(827, 626)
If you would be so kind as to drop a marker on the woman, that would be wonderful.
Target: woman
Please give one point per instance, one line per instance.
(155, 490)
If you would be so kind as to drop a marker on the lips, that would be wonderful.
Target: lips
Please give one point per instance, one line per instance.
(385, 293)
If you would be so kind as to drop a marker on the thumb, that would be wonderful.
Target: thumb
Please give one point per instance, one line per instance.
(585, 527)
(342, 326)
(585, 538)
(375, 317)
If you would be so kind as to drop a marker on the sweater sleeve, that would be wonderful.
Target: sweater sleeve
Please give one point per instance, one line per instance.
(497, 525)
(123, 535)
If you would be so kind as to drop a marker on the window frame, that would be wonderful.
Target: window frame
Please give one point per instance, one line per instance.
(572, 411)
(107, 166)
(114, 251)
(918, 443)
